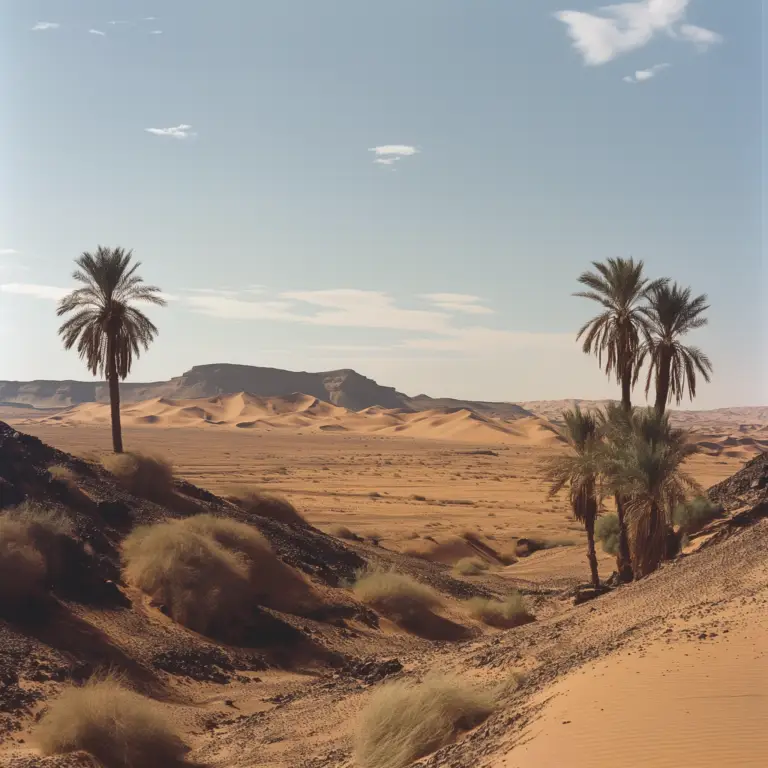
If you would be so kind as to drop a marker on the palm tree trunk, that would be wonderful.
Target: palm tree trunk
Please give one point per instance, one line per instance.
(623, 560)
(589, 524)
(662, 380)
(626, 391)
(114, 397)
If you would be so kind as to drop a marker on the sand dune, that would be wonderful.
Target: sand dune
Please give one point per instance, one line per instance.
(303, 412)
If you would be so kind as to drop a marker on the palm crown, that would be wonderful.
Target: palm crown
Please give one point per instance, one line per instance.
(103, 312)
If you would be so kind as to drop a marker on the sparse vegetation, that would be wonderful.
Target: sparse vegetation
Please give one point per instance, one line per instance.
(118, 727)
(62, 473)
(470, 566)
(395, 594)
(403, 721)
(142, 475)
(507, 613)
(695, 514)
(257, 502)
(209, 572)
(33, 547)
(607, 532)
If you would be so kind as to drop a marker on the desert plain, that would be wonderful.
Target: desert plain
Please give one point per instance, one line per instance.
(670, 671)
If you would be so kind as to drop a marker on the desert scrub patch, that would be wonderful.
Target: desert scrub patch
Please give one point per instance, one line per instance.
(141, 474)
(257, 502)
(507, 613)
(403, 720)
(608, 533)
(395, 594)
(116, 726)
(470, 566)
(695, 514)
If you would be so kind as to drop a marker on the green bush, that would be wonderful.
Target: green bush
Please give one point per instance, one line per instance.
(608, 533)
(695, 514)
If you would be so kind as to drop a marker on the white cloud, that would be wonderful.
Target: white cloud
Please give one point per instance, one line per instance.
(32, 289)
(96, 32)
(7, 251)
(114, 23)
(177, 132)
(150, 18)
(629, 26)
(43, 25)
(156, 32)
(228, 307)
(641, 75)
(458, 302)
(701, 37)
(389, 154)
(479, 341)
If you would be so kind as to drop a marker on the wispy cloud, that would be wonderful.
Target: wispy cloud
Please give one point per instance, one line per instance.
(642, 75)
(389, 154)
(38, 291)
(702, 38)
(150, 18)
(121, 23)
(96, 32)
(43, 25)
(8, 251)
(156, 32)
(458, 302)
(629, 26)
(177, 132)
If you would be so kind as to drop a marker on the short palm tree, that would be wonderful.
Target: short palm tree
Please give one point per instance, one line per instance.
(617, 332)
(670, 314)
(647, 471)
(580, 471)
(108, 331)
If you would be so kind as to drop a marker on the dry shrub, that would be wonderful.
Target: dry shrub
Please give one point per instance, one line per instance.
(404, 721)
(257, 502)
(62, 473)
(142, 475)
(118, 727)
(342, 532)
(511, 612)
(395, 594)
(210, 572)
(470, 566)
(608, 533)
(201, 584)
(33, 546)
(695, 514)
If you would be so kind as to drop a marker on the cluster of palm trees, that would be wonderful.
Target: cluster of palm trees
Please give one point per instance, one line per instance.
(631, 454)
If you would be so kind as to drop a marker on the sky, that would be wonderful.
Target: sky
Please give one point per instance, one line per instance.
(409, 189)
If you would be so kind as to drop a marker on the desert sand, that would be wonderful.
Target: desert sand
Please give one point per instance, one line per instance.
(669, 671)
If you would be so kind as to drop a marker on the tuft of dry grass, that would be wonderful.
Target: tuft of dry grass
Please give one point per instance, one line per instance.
(342, 532)
(142, 475)
(470, 566)
(200, 584)
(62, 473)
(395, 594)
(210, 572)
(507, 613)
(403, 721)
(116, 726)
(257, 502)
(33, 543)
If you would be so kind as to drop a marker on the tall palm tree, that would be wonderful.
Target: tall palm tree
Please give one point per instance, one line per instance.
(647, 472)
(108, 331)
(580, 470)
(616, 427)
(617, 332)
(670, 314)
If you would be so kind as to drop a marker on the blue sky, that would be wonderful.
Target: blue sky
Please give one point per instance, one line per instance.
(517, 141)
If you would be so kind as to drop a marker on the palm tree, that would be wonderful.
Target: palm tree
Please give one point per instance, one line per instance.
(670, 314)
(615, 426)
(617, 332)
(646, 471)
(580, 472)
(108, 330)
